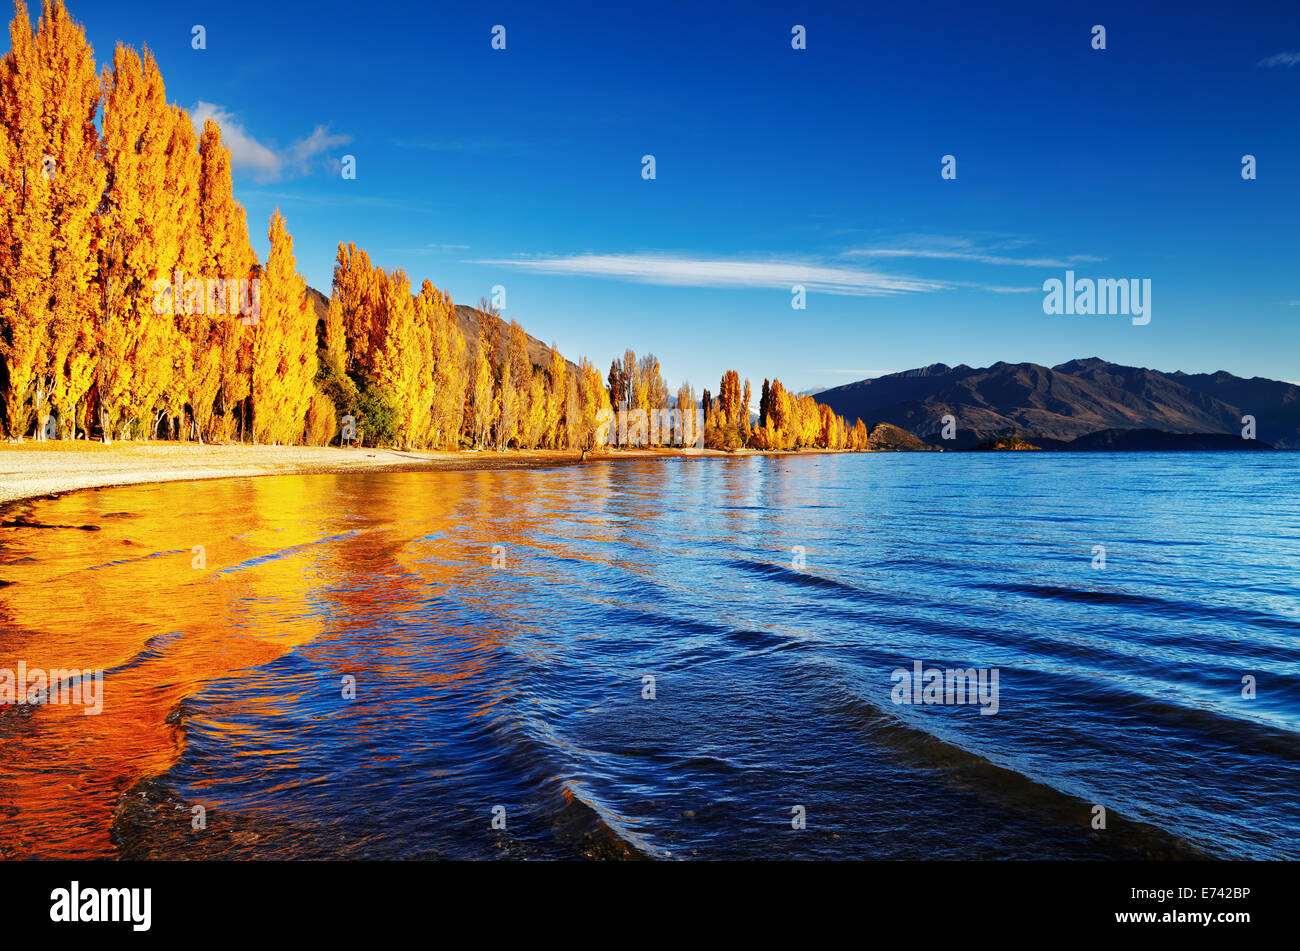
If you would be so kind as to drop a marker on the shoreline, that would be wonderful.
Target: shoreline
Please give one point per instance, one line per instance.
(34, 471)
(31, 471)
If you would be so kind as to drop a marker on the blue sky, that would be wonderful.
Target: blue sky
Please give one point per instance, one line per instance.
(522, 168)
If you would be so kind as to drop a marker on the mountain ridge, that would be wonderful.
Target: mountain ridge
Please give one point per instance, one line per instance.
(1076, 398)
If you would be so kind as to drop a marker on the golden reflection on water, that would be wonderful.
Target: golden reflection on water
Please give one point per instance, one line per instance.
(183, 584)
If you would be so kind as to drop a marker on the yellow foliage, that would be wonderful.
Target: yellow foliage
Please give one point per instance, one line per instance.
(322, 420)
(284, 345)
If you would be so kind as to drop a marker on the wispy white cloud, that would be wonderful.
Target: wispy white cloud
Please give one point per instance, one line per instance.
(306, 152)
(264, 162)
(1280, 59)
(721, 272)
(979, 257)
(245, 151)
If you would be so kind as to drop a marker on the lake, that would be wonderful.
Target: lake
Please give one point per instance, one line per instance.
(679, 658)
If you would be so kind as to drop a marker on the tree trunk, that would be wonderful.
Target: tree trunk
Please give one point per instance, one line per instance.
(40, 409)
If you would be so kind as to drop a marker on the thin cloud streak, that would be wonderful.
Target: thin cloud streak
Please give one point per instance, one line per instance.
(978, 257)
(707, 272)
(1280, 59)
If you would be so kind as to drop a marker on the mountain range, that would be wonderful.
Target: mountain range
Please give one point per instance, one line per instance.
(1082, 404)
(1059, 404)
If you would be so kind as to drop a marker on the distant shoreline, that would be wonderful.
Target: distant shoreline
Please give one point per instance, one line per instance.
(36, 471)
(31, 471)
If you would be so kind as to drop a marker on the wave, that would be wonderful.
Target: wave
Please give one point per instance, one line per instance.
(1164, 606)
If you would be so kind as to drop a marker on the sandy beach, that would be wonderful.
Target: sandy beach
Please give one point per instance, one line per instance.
(34, 470)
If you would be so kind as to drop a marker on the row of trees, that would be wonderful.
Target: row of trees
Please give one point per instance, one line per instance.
(121, 243)
(401, 364)
(785, 420)
(94, 216)
(132, 303)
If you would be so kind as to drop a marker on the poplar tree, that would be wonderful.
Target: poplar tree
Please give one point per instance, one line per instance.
(76, 175)
(336, 346)
(729, 400)
(507, 407)
(686, 409)
(743, 421)
(593, 398)
(182, 255)
(51, 182)
(284, 345)
(397, 362)
(451, 373)
(422, 393)
(221, 369)
(573, 413)
(521, 377)
(355, 285)
(136, 359)
(556, 395)
(25, 200)
(617, 385)
(481, 392)
(534, 425)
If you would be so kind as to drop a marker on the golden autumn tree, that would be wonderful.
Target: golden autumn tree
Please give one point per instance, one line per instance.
(686, 406)
(137, 344)
(507, 407)
(219, 338)
(20, 335)
(77, 175)
(182, 253)
(284, 345)
(778, 414)
(398, 362)
(51, 182)
(827, 427)
(423, 396)
(859, 442)
(521, 377)
(336, 344)
(355, 286)
(573, 434)
(592, 399)
(482, 393)
(556, 394)
(451, 373)
(28, 237)
(533, 425)
(729, 400)
(743, 412)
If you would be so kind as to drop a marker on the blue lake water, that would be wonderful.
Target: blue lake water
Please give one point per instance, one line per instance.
(771, 601)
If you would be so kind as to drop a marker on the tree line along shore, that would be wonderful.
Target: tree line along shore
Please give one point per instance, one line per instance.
(133, 307)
